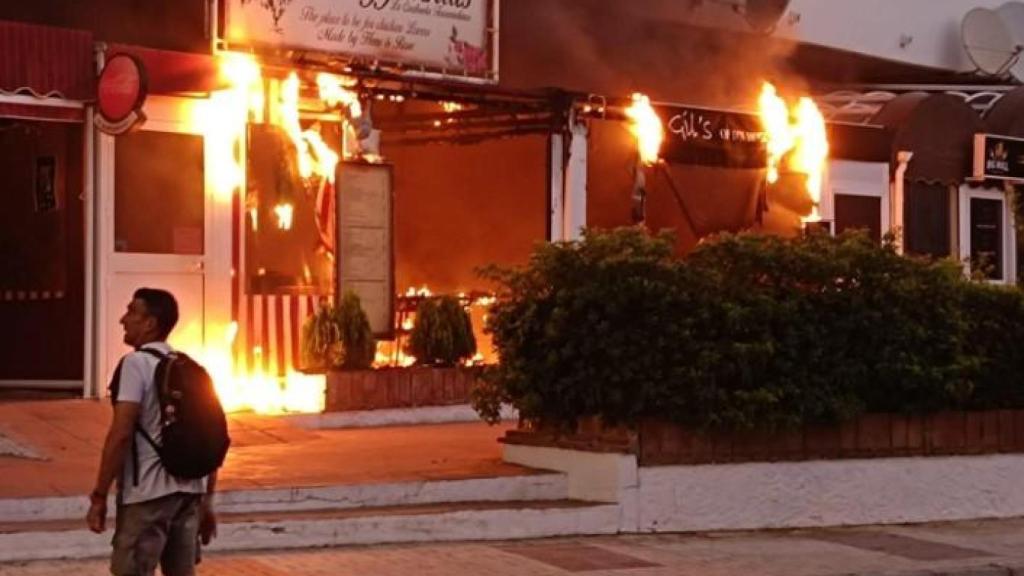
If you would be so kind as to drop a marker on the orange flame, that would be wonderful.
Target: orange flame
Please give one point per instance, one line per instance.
(647, 128)
(223, 123)
(334, 91)
(796, 137)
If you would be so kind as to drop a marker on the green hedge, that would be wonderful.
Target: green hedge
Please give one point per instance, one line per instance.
(747, 332)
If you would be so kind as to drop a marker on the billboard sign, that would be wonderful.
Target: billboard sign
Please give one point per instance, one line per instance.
(454, 38)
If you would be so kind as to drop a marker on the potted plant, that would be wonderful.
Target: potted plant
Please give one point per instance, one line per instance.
(441, 339)
(322, 346)
(442, 334)
(355, 333)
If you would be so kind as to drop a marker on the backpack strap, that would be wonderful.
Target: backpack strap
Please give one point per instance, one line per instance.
(115, 383)
(160, 355)
(139, 429)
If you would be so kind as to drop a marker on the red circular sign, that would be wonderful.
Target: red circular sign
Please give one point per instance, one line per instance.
(122, 87)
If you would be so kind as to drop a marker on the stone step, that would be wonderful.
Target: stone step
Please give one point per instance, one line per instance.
(69, 539)
(541, 486)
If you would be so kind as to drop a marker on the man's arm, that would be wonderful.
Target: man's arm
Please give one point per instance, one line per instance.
(207, 517)
(115, 447)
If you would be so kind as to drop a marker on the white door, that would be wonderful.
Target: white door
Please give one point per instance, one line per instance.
(161, 227)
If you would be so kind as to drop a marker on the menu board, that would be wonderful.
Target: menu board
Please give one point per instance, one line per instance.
(365, 252)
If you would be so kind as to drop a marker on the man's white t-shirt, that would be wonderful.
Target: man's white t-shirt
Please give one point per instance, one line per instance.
(136, 385)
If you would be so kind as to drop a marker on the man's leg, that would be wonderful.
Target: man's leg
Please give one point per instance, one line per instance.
(140, 534)
(182, 550)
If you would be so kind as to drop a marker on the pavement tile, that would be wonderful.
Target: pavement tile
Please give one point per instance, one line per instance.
(575, 557)
(267, 452)
(899, 545)
(752, 553)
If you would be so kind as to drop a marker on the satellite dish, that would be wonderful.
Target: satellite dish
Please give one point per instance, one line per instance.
(988, 42)
(1012, 14)
(763, 15)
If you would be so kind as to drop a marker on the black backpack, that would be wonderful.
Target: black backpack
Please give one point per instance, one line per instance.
(194, 431)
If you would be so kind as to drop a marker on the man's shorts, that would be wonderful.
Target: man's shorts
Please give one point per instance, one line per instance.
(160, 532)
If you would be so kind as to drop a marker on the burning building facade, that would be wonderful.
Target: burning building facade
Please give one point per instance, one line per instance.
(289, 148)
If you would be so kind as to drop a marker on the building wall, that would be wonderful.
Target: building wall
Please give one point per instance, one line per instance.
(460, 207)
(180, 25)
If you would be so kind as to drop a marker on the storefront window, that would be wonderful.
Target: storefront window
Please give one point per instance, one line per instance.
(859, 213)
(927, 219)
(159, 193)
(289, 219)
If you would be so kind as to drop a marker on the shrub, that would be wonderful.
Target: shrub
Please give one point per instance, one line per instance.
(443, 332)
(995, 328)
(747, 332)
(355, 333)
(322, 346)
(588, 328)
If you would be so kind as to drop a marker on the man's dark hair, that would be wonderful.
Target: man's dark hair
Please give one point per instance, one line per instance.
(161, 305)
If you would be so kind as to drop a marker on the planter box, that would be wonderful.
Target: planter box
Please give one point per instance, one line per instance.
(658, 443)
(389, 388)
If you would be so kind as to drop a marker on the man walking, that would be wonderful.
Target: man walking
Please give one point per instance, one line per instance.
(160, 518)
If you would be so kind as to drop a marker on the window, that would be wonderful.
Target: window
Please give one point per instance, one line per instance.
(986, 249)
(927, 219)
(860, 197)
(159, 199)
(859, 212)
(288, 224)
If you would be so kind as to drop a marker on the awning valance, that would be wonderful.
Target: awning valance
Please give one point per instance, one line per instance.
(1006, 116)
(170, 72)
(938, 128)
(43, 61)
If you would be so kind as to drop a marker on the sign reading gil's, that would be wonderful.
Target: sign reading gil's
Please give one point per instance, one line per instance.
(998, 157)
(453, 38)
(712, 137)
(121, 92)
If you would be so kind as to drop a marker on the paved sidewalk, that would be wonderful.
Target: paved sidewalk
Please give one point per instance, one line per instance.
(51, 448)
(979, 548)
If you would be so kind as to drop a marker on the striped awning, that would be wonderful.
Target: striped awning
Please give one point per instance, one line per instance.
(45, 71)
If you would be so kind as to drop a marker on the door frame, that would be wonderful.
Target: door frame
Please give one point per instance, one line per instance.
(181, 115)
(966, 194)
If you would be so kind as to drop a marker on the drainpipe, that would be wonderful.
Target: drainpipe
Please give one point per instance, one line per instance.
(903, 158)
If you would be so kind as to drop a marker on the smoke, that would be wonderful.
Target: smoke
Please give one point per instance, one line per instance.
(614, 47)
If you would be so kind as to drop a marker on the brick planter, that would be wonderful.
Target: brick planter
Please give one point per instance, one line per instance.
(390, 388)
(870, 436)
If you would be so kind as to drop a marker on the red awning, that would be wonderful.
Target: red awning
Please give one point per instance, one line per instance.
(44, 61)
(169, 72)
(45, 72)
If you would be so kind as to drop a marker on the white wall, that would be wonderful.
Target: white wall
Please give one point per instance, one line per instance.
(876, 27)
(758, 495)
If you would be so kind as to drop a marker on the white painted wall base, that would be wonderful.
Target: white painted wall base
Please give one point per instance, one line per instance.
(789, 494)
